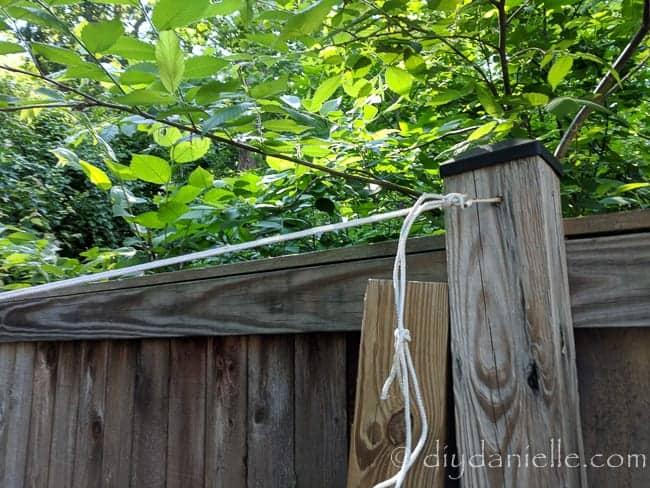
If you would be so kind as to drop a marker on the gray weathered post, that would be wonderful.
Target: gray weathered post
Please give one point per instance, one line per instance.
(513, 357)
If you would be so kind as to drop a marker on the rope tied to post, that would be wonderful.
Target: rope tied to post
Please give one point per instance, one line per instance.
(402, 367)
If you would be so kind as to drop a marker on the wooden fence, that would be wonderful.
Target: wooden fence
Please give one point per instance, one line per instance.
(191, 379)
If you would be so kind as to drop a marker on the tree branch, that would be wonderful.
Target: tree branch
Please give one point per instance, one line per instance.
(503, 55)
(606, 84)
(90, 101)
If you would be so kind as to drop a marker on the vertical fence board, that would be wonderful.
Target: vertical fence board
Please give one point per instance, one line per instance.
(227, 412)
(64, 429)
(40, 432)
(90, 420)
(614, 374)
(150, 415)
(17, 412)
(320, 410)
(378, 432)
(7, 360)
(270, 412)
(118, 420)
(186, 436)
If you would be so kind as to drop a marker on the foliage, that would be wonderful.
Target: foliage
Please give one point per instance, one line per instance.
(266, 117)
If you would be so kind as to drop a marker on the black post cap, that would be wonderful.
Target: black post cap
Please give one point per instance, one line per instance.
(502, 152)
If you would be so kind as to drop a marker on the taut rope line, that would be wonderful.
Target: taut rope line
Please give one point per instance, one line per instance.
(210, 253)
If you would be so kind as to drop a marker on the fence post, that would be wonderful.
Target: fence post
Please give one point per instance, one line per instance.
(513, 356)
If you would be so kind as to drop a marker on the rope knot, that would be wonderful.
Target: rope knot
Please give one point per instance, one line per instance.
(456, 200)
(402, 336)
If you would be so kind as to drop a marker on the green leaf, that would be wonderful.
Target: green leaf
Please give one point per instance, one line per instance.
(10, 48)
(57, 54)
(170, 211)
(400, 81)
(170, 61)
(151, 168)
(187, 193)
(535, 99)
(631, 187)
(202, 66)
(191, 150)
(99, 36)
(149, 220)
(560, 69)
(227, 114)
(139, 74)
(285, 125)
(86, 70)
(36, 16)
(166, 136)
(97, 176)
(324, 92)
(308, 20)
(279, 164)
(269, 88)
(225, 7)
(201, 178)
(482, 131)
(145, 97)
(121, 171)
(131, 48)
(168, 14)
(491, 106)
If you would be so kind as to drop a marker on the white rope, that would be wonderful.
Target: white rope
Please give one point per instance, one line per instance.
(208, 253)
(402, 368)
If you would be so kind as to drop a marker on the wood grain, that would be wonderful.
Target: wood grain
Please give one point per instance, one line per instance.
(607, 224)
(227, 412)
(151, 415)
(378, 431)
(609, 278)
(321, 440)
(42, 414)
(17, 409)
(276, 302)
(513, 357)
(270, 412)
(186, 434)
(90, 419)
(614, 374)
(118, 419)
(64, 430)
(290, 300)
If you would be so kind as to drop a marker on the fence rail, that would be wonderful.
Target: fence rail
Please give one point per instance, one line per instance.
(608, 277)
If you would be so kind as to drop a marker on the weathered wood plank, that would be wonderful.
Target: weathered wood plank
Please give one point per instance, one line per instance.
(42, 419)
(90, 420)
(17, 414)
(321, 441)
(515, 382)
(609, 279)
(186, 431)
(227, 412)
(7, 361)
(270, 412)
(378, 432)
(288, 300)
(64, 430)
(607, 224)
(150, 415)
(614, 374)
(118, 420)
(276, 302)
